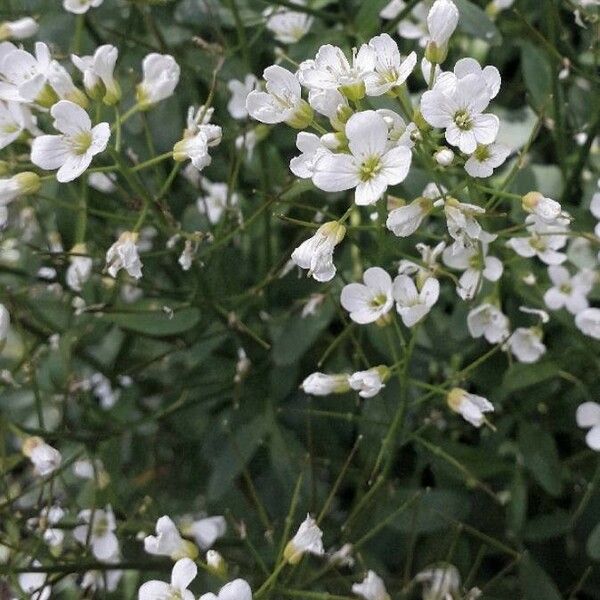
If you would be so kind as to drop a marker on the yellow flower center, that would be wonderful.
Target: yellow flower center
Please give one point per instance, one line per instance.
(463, 120)
(370, 168)
(81, 142)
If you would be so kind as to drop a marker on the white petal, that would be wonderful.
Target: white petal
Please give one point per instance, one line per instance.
(335, 172)
(368, 192)
(396, 164)
(588, 414)
(70, 118)
(184, 572)
(367, 134)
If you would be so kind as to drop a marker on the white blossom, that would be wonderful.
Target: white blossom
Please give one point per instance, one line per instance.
(546, 209)
(369, 301)
(183, 573)
(311, 148)
(470, 406)
(568, 291)
(316, 253)
(488, 321)
(123, 254)
(238, 589)
(458, 108)
(371, 588)
(526, 344)
(281, 102)
(413, 304)
(288, 26)
(205, 531)
(588, 322)
(72, 151)
(440, 582)
(168, 541)
(98, 73)
(370, 167)
(588, 417)
(441, 23)
(15, 118)
(370, 382)
(34, 584)
(99, 529)
(79, 7)
(161, 76)
(321, 384)
(18, 30)
(307, 539)
(80, 267)
(44, 457)
(461, 219)
(239, 93)
(485, 159)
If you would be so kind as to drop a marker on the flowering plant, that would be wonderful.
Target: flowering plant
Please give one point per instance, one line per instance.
(299, 299)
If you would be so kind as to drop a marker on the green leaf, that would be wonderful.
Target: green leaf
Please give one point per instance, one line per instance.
(298, 335)
(366, 20)
(535, 581)
(537, 74)
(521, 375)
(517, 509)
(541, 457)
(593, 543)
(474, 21)
(236, 455)
(149, 318)
(546, 527)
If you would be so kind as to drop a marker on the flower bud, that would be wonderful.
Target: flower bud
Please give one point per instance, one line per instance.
(216, 564)
(441, 23)
(28, 182)
(302, 117)
(19, 29)
(545, 208)
(444, 157)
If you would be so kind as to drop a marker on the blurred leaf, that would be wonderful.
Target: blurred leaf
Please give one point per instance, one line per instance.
(235, 456)
(474, 21)
(541, 457)
(521, 375)
(545, 527)
(298, 335)
(536, 583)
(537, 75)
(149, 318)
(593, 543)
(367, 20)
(517, 509)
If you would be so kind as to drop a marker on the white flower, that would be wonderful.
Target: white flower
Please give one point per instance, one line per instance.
(391, 69)
(168, 541)
(14, 119)
(526, 344)
(282, 102)
(330, 103)
(546, 209)
(569, 292)
(186, 257)
(102, 389)
(238, 589)
(205, 531)
(106, 580)
(79, 7)
(412, 305)
(458, 109)
(588, 322)
(98, 73)
(414, 25)
(488, 320)
(80, 267)
(183, 573)
(470, 406)
(288, 26)
(44, 457)
(405, 220)
(216, 201)
(72, 152)
(103, 182)
(4, 325)
(19, 29)
(308, 538)
(399, 133)
(369, 383)
(331, 70)
(485, 159)
(588, 417)
(123, 254)
(370, 167)
(35, 584)
(102, 539)
(371, 588)
(321, 384)
(543, 244)
(441, 23)
(161, 76)
(93, 470)
(440, 582)
(469, 66)
(463, 226)
(311, 148)
(62, 83)
(427, 267)
(316, 253)
(198, 137)
(25, 75)
(239, 93)
(476, 266)
(342, 557)
(370, 301)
